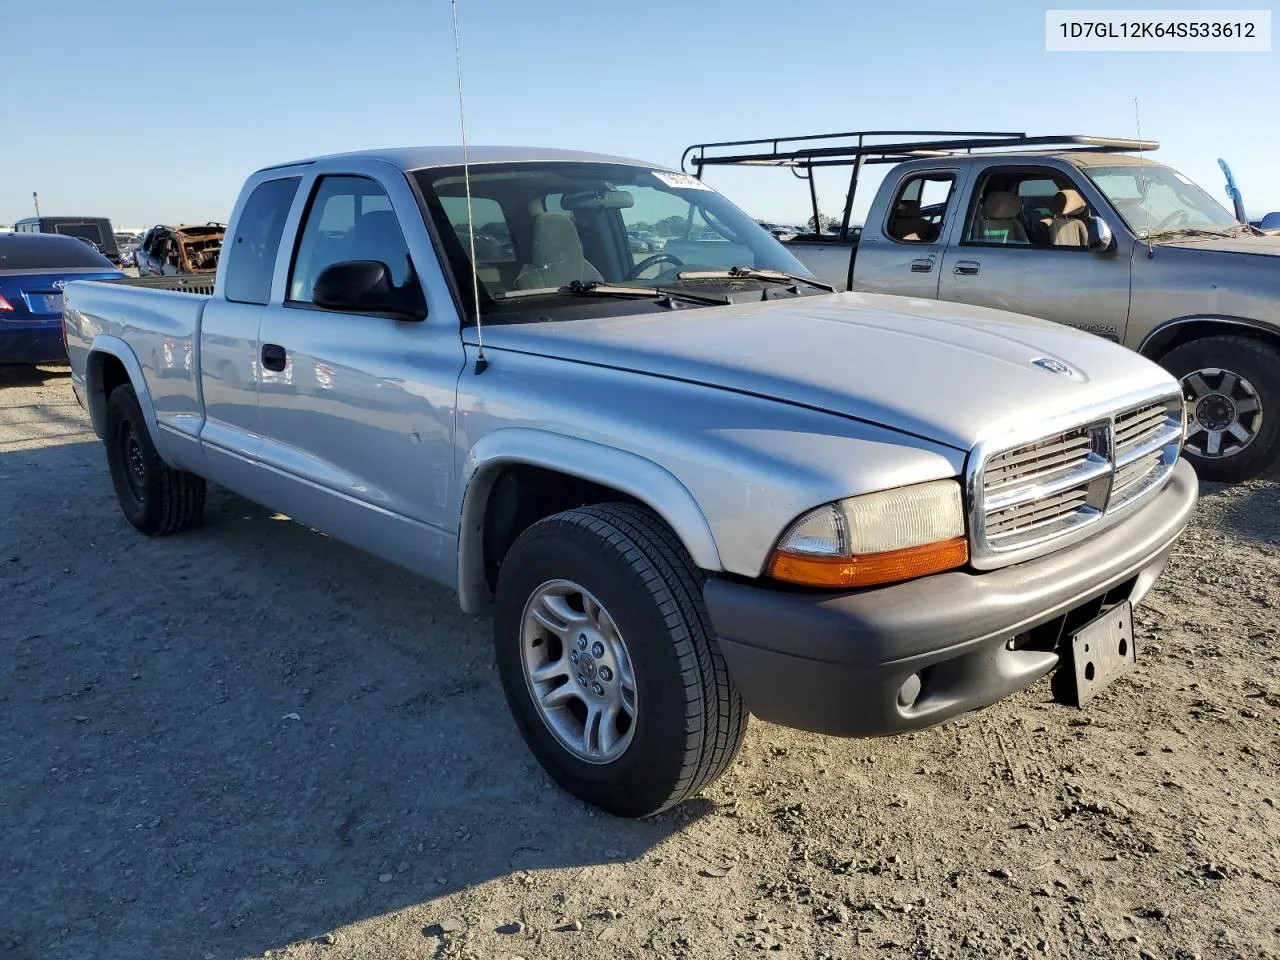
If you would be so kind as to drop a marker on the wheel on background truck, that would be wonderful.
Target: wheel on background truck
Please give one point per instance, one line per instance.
(609, 663)
(1232, 389)
(154, 497)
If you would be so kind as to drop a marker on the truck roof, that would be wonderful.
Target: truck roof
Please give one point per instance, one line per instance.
(418, 158)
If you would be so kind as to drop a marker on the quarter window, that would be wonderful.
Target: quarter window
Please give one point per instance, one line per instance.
(350, 218)
(252, 258)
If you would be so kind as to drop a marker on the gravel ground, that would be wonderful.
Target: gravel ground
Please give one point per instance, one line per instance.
(251, 739)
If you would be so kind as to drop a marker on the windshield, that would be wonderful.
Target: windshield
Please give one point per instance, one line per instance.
(1155, 199)
(543, 226)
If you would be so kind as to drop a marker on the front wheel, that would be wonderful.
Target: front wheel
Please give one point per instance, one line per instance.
(1231, 386)
(153, 496)
(609, 663)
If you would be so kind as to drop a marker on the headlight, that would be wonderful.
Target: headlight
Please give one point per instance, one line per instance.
(875, 538)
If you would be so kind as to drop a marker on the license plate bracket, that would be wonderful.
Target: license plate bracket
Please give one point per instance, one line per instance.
(1103, 650)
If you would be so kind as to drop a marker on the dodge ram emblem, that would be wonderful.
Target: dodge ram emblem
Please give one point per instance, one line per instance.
(1053, 366)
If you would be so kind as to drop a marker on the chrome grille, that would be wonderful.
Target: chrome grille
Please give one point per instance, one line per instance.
(1036, 491)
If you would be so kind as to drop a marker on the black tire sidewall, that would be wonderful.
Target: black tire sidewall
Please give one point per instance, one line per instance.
(124, 412)
(1248, 359)
(644, 777)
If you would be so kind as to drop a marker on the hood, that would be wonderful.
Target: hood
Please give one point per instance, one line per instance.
(1259, 246)
(946, 372)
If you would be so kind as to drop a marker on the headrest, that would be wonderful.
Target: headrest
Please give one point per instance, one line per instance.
(1000, 206)
(555, 237)
(1067, 203)
(908, 208)
(378, 222)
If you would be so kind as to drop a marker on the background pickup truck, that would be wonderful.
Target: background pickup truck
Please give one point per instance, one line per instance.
(688, 484)
(1079, 230)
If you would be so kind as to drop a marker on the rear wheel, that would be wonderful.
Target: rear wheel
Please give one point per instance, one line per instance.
(608, 661)
(1231, 386)
(153, 496)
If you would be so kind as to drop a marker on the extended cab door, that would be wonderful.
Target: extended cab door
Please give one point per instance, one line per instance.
(229, 327)
(901, 247)
(357, 409)
(1024, 246)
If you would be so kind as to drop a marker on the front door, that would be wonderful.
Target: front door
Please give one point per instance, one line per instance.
(1024, 247)
(357, 410)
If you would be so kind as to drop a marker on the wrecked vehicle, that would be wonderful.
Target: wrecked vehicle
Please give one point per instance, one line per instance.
(174, 251)
(688, 484)
(1085, 231)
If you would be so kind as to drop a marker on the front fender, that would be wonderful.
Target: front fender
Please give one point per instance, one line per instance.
(1159, 340)
(105, 345)
(642, 479)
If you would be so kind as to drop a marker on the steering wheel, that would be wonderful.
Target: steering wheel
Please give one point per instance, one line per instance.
(648, 262)
(1178, 218)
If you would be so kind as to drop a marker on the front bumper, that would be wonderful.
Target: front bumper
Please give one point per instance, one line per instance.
(837, 663)
(34, 342)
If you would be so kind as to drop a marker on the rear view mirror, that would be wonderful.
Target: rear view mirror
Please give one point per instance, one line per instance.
(1101, 238)
(364, 286)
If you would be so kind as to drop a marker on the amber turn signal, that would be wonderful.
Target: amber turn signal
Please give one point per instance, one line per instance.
(870, 569)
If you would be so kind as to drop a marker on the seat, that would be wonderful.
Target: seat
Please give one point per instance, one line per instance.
(908, 225)
(1066, 229)
(557, 255)
(999, 222)
(377, 236)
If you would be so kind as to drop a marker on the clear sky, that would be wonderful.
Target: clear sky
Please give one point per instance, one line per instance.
(156, 113)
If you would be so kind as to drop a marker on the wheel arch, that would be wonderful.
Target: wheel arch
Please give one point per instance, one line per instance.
(109, 358)
(1174, 333)
(589, 469)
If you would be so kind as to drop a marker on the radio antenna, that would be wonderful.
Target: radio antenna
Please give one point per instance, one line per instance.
(1142, 172)
(481, 362)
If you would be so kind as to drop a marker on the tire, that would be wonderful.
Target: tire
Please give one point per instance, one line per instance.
(1256, 365)
(689, 719)
(153, 496)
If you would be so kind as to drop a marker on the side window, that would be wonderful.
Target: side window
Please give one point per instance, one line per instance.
(1036, 208)
(349, 218)
(920, 208)
(252, 258)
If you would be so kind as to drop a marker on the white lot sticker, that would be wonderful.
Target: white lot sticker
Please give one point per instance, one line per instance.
(681, 181)
(1183, 179)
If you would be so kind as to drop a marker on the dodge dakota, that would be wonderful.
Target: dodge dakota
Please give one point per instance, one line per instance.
(1086, 231)
(689, 485)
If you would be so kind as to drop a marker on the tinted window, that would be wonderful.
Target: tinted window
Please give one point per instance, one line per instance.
(350, 218)
(42, 251)
(252, 257)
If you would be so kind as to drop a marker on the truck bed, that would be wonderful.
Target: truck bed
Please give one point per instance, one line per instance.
(201, 283)
(153, 321)
(828, 258)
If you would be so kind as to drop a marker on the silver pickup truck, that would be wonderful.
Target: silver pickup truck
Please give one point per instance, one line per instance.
(688, 484)
(1086, 231)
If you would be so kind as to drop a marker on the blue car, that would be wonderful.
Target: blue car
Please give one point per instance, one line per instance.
(34, 267)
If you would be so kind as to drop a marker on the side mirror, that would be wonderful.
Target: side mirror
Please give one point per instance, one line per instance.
(1101, 239)
(364, 286)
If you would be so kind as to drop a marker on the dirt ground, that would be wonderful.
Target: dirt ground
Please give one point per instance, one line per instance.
(252, 740)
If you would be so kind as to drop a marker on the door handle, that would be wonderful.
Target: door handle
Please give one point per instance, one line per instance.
(967, 267)
(921, 266)
(273, 356)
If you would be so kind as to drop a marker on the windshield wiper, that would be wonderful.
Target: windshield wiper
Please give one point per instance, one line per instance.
(751, 273)
(1189, 232)
(593, 288)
